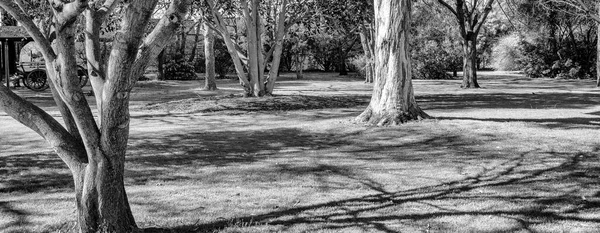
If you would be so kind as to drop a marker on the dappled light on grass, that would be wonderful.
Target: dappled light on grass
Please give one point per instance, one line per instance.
(254, 168)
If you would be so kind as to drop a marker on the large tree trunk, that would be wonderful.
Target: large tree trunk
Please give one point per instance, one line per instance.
(470, 62)
(255, 55)
(102, 203)
(209, 54)
(393, 100)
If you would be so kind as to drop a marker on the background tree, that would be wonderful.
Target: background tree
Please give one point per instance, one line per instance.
(210, 83)
(393, 100)
(470, 15)
(93, 151)
(250, 16)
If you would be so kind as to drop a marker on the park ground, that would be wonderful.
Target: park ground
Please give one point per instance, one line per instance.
(518, 155)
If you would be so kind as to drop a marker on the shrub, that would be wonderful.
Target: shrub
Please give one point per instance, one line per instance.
(179, 68)
(431, 61)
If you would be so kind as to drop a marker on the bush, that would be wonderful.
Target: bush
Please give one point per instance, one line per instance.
(179, 68)
(431, 61)
(360, 64)
(540, 61)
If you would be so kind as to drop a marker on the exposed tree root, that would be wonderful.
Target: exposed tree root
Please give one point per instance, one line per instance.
(390, 117)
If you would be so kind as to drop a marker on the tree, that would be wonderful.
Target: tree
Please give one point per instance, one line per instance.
(393, 101)
(253, 58)
(209, 55)
(93, 151)
(471, 16)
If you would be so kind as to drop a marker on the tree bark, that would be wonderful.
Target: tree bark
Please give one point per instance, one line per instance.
(94, 152)
(209, 54)
(393, 100)
(470, 62)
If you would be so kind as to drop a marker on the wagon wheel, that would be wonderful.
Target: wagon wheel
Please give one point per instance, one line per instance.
(82, 75)
(36, 80)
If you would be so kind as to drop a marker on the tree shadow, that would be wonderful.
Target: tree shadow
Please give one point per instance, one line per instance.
(509, 100)
(19, 217)
(28, 173)
(537, 208)
(551, 123)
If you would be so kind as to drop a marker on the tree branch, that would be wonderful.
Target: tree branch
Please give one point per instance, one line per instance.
(69, 149)
(445, 4)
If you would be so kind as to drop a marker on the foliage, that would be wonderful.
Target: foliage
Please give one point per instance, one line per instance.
(559, 43)
(435, 48)
(507, 54)
(178, 68)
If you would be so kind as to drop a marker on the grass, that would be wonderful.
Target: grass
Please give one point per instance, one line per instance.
(519, 155)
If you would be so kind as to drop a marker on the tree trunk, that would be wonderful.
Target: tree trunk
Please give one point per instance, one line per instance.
(469, 62)
(342, 62)
(196, 39)
(209, 54)
(393, 100)
(280, 33)
(161, 65)
(366, 39)
(598, 48)
(102, 203)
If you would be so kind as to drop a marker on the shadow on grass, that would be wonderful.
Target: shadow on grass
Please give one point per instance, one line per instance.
(552, 123)
(580, 168)
(35, 172)
(19, 217)
(238, 104)
(509, 100)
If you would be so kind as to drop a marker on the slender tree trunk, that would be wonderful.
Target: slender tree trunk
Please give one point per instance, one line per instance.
(366, 39)
(161, 65)
(598, 48)
(279, 35)
(470, 62)
(209, 54)
(196, 39)
(393, 100)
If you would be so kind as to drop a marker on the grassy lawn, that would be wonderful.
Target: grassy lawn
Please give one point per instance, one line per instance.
(518, 155)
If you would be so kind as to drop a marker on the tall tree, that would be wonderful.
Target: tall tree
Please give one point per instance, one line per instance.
(393, 101)
(470, 15)
(94, 151)
(210, 83)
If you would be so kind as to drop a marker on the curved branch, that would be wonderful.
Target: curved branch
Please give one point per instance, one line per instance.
(69, 149)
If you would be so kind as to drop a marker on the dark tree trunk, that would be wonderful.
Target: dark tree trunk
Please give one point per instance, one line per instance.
(161, 65)
(209, 54)
(470, 62)
(393, 100)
